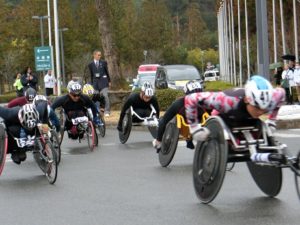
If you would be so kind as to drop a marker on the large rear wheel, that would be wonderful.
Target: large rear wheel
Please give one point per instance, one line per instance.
(210, 162)
(126, 127)
(169, 143)
(51, 162)
(91, 136)
(267, 177)
(3, 147)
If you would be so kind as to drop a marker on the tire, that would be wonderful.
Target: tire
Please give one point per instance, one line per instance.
(267, 177)
(48, 161)
(56, 144)
(90, 133)
(297, 176)
(62, 119)
(230, 166)
(169, 144)
(210, 161)
(126, 127)
(3, 147)
(102, 129)
(51, 166)
(153, 131)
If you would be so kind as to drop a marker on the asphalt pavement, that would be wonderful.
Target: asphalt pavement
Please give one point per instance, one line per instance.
(125, 184)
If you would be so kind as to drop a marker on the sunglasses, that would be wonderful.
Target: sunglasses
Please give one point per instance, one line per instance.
(75, 95)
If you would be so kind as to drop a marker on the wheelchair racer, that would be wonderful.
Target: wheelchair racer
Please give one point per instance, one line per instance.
(75, 104)
(20, 122)
(141, 103)
(258, 97)
(95, 96)
(177, 107)
(46, 113)
(28, 97)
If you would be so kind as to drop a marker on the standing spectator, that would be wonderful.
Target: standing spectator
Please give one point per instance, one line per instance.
(50, 82)
(100, 78)
(28, 79)
(297, 80)
(278, 76)
(18, 85)
(288, 82)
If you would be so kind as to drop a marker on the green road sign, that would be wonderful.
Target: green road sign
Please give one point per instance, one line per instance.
(43, 58)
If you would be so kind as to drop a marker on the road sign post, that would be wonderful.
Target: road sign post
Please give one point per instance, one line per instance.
(43, 58)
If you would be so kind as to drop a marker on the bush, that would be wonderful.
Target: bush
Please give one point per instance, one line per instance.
(165, 97)
(217, 86)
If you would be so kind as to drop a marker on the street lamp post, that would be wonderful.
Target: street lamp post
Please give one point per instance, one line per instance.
(202, 60)
(62, 53)
(41, 26)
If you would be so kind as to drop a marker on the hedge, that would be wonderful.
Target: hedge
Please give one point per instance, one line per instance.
(165, 96)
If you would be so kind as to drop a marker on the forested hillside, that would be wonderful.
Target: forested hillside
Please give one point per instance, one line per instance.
(172, 31)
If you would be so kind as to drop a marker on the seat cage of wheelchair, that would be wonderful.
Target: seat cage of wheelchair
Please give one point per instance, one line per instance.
(150, 121)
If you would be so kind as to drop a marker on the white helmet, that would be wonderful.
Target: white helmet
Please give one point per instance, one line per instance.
(192, 86)
(75, 88)
(146, 85)
(259, 92)
(149, 92)
(28, 116)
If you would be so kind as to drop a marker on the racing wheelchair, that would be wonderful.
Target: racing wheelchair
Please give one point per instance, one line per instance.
(235, 142)
(41, 147)
(81, 126)
(176, 127)
(131, 118)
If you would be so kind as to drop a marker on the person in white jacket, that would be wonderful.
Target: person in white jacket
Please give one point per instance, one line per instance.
(288, 74)
(50, 82)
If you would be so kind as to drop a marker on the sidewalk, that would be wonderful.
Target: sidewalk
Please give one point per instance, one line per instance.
(288, 117)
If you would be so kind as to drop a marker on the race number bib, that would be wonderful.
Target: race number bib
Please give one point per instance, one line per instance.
(82, 119)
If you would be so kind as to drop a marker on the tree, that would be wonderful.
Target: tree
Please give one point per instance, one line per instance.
(108, 44)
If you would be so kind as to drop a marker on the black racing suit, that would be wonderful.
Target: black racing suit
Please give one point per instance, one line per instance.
(177, 107)
(74, 109)
(142, 108)
(13, 127)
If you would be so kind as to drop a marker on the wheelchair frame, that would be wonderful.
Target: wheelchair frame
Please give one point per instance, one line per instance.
(237, 144)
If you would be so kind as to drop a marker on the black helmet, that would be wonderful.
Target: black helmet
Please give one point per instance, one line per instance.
(30, 93)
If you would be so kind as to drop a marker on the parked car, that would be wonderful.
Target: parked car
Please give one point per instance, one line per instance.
(142, 78)
(175, 76)
(211, 75)
(148, 68)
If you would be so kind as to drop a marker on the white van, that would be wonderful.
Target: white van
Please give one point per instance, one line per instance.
(211, 75)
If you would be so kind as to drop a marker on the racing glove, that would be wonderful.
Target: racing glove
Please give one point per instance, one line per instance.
(199, 133)
(271, 124)
(97, 121)
(157, 145)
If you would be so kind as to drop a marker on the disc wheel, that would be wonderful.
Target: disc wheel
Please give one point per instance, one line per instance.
(169, 144)
(267, 177)
(102, 129)
(210, 161)
(56, 144)
(126, 127)
(90, 133)
(297, 175)
(3, 147)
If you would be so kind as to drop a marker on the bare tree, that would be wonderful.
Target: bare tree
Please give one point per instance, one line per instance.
(110, 53)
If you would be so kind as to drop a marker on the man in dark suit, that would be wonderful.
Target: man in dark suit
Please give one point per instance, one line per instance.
(100, 78)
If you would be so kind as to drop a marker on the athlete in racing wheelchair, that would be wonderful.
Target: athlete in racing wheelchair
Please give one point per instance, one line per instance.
(173, 123)
(238, 135)
(20, 132)
(77, 120)
(99, 101)
(140, 108)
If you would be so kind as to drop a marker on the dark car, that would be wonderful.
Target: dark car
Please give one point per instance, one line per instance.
(175, 76)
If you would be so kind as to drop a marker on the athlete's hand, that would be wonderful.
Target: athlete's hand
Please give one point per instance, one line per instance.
(271, 124)
(199, 133)
(157, 145)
